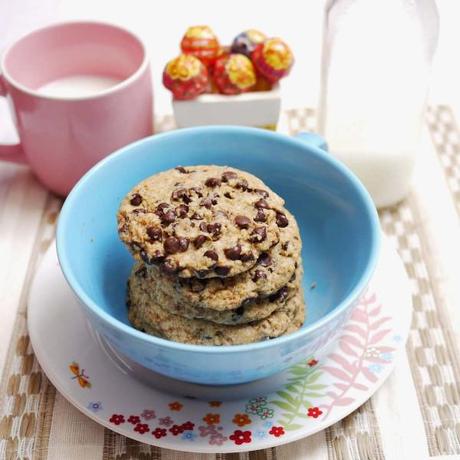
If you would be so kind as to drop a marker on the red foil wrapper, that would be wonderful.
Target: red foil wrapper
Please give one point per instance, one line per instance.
(273, 59)
(262, 84)
(234, 74)
(202, 43)
(186, 77)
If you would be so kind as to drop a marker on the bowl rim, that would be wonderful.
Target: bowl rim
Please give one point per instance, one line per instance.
(64, 221)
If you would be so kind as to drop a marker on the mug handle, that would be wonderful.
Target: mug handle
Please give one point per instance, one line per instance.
(10, 152)
(312, 139)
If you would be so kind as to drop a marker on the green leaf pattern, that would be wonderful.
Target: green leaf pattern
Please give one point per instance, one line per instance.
(294, 399)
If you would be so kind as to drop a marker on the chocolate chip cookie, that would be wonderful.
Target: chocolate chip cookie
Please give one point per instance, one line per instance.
(273, 271)
(155, 320)
(201, 221)
(143, 284)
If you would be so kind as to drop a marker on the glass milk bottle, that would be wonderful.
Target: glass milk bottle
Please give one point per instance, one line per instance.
(376, 65)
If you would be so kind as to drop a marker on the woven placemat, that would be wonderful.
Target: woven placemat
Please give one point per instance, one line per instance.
(36, 422)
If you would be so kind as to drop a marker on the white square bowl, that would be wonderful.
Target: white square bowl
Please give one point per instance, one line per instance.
(258, 109)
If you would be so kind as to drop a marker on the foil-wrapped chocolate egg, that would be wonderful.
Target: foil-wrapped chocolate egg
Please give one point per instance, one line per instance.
(234, 74)
(202, 43)
(273, 59)
(262, 84)
(186, 77)
(245, 42)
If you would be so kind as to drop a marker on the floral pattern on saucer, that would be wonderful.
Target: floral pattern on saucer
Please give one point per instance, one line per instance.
(313, 391)
(312, 395)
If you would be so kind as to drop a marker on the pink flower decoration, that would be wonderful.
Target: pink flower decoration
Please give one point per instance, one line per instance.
(148, 414)
(166, 421)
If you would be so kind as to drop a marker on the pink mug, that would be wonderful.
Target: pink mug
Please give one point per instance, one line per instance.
(61, 137)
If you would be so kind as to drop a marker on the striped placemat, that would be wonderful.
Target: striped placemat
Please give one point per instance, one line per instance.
(415, 415)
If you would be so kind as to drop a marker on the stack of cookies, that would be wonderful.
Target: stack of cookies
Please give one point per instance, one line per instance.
(218, 257)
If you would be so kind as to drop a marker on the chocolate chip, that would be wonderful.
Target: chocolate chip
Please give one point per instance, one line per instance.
(206, 202)
(172, 245)
(199, 240)
(260, 216)
(228, 195)
(141, 272)
(258, 235)
(280, 295)
(160, 209)
(181, 194)
(281, 220)
(214, 200)
(145, 257)
(136, 199)
(227, 175)
(211, 255)
(264, 259)
(283, 293)
(222, 271)
(242, 184)
(259, 275)
(177, 194)
(168, 217)
(262, 193)
(261, 204)
(242, 221)
(168, 267)
(181, 211)
(285, 245)
(214, 229)
(247, 257)
(183, 244)
(154, 233)
(181, 169)
(233, 253)
(212, 182)
(156, 258)
(196, 191)
(196, 216)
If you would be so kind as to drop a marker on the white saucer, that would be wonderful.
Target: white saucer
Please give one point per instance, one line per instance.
(313, 395)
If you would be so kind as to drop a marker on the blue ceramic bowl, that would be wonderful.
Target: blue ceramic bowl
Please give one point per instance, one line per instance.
(338, 222)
